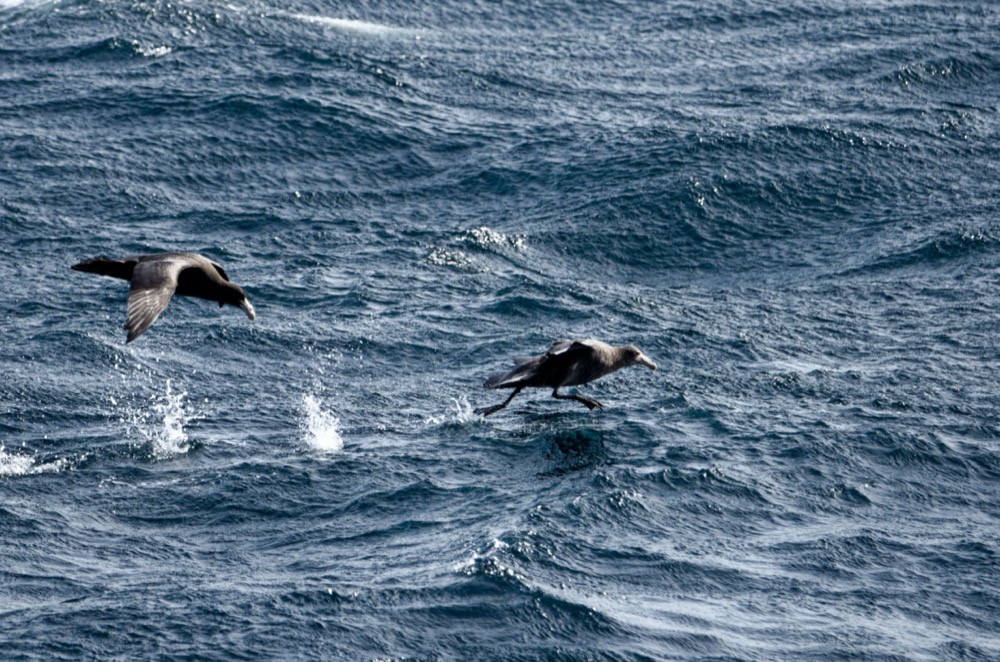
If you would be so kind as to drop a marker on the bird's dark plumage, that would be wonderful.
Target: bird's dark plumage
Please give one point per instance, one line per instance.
(567, 363)
(156, 278)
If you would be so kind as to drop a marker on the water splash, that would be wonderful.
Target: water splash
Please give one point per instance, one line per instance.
(162, 425)
(482, 238)
(321, 428)
(463, 414)
(171, 439)
(463, 410)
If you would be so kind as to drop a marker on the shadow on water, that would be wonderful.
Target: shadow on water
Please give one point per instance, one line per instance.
(572, 450)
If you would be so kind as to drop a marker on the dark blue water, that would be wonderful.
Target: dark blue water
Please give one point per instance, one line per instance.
(793, 208)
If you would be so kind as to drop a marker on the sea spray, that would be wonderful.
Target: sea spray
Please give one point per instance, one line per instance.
(170, 438)
(320, 427)
(162, 425)
(462, 414)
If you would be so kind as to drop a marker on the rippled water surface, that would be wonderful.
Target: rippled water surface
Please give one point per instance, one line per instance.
(791, 207)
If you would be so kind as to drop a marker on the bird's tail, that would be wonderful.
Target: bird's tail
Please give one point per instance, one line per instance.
(107, 267)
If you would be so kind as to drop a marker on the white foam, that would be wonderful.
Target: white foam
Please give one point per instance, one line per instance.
(154, 51)
(442, 257)
(18, 464)
(10, 4)
(346, 24)
(485, 237)
(487, 561)
(320, 427)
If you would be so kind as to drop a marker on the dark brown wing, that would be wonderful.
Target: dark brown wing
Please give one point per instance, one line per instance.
(108, 267)
(548, 369)
(568, 364)
(153, 284)
(218, 267)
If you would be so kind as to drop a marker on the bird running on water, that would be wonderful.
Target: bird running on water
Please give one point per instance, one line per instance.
(567, 363)
(156, 278)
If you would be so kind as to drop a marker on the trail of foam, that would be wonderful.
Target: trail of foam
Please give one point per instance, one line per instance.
(347, 24)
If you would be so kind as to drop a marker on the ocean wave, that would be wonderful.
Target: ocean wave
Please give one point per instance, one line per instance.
(954, 248)
(968, 68)
(414, 195)
(482, 240)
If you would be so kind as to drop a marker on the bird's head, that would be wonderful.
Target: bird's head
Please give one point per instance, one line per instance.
(235, 296)
(632, 355)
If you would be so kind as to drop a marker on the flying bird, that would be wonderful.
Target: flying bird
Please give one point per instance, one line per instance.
(156, 278)
(567, 363)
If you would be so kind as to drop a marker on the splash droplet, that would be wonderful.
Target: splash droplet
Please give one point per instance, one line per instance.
(321, 428)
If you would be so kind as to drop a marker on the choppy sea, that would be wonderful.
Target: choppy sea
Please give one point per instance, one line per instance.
(792, 207)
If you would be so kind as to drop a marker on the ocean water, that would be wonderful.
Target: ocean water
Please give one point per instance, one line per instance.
(792, 207)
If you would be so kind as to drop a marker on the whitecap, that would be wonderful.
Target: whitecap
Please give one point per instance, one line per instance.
(10, 4)
(19, 464)
(350, 24)
(442, 257)
(485, 237)
(486, 561)
(320, 427)
(153, 51)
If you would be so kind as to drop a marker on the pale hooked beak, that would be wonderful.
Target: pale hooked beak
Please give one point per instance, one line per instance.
(248, 309)
(642, 359)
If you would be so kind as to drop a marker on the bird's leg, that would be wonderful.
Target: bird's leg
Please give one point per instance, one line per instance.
(486, 411)
(589, 402)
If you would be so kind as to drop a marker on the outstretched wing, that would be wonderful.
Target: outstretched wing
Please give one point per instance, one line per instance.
(153, 283)
(108, 267)
(543, 370)
(569, 363)
(559, 346)
(523, 372)
(526, 368)
(562, 350)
